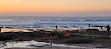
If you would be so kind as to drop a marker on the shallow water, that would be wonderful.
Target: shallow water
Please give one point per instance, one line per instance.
(33, 44)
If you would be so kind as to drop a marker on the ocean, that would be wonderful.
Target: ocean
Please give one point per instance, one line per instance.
(51, 21)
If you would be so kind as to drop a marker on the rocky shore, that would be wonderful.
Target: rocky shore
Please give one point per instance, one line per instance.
(90, 38)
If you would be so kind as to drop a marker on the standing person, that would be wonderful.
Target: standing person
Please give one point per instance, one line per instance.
(66, 36)
(0, 29)
(101, 28)
(51, 39)
(89, 25)
(108, 28)
(56, 27)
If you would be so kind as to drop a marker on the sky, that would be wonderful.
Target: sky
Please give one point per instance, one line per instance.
(55, 7)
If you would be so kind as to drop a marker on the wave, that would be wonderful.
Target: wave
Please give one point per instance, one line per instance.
(51, 21)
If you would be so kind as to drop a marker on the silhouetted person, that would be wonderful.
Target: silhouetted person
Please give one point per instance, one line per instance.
(56, 27)
(0, 29)
(89, 25)
(101, 28)
(108, 28)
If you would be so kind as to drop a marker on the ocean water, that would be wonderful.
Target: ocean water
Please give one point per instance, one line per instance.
(53, 21)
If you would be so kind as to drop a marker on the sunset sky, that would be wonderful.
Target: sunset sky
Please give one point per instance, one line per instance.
(55, 7)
